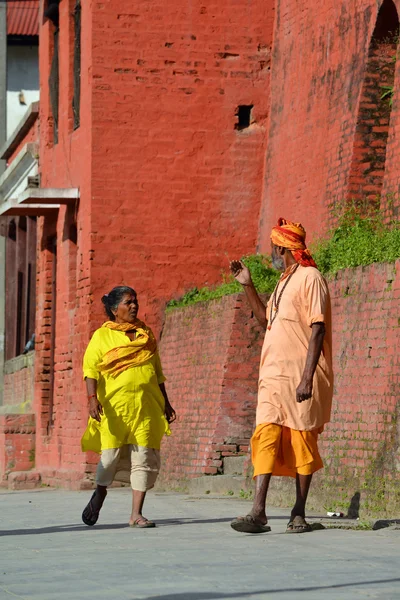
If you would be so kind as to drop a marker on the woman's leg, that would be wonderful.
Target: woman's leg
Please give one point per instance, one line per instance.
(105, 474)
(145, 466)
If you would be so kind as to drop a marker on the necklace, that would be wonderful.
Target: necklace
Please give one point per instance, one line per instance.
(277, 299)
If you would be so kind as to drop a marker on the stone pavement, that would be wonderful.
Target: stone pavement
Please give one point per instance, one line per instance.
(46, 553)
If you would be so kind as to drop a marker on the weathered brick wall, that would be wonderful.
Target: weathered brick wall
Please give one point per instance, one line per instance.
(61, 416)
(204, 345)
(157, 160)
(210, 354)
(320, 63)
(17, 444)
(19, 374)
(172, 177)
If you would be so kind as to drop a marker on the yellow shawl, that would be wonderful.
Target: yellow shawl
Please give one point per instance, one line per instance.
(135, 353)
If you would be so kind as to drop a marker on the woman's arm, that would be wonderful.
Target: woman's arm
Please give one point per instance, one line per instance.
(95, 408)
(170, 414)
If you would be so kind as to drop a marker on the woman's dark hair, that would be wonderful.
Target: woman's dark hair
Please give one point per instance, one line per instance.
(113, 298)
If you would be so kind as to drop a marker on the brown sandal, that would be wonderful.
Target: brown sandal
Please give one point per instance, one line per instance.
(249, 524)
(298, 525)
(142, 523)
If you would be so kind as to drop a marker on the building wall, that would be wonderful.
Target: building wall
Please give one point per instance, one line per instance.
(59, 399)
(176, 188)
(210, 384)
(19, 380)
(22, 76)
(319, 66)
(210, 355)
(157, 160)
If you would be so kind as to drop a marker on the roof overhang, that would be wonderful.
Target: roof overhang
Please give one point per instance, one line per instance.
(38, 202)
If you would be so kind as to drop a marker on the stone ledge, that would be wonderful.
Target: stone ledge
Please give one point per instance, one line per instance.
(23, 480)
(20, 362)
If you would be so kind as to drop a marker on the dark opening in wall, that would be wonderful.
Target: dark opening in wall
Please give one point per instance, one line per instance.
(12, 230)
(52, 247)
(52, 13)
(20, 292)
(243, 114)
(372, 129)
(22, 223)
(76, 101)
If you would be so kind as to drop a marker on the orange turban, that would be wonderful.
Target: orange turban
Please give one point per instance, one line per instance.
(293, 237)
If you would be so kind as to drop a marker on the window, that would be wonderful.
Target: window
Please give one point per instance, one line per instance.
(52, 13)
(76, 102)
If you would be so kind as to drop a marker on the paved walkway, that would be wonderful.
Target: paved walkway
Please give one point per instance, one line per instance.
(47, 554)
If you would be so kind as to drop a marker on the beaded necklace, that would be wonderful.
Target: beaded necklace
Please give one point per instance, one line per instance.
(277, 299)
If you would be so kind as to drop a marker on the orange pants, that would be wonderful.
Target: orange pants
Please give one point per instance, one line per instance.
(283, 451)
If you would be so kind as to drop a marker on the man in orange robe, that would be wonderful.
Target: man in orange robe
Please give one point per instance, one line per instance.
(296, 378)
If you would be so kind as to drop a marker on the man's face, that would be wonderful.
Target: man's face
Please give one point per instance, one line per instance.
(277, 259)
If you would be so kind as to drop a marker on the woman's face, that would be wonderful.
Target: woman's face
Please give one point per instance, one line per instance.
(127, 309)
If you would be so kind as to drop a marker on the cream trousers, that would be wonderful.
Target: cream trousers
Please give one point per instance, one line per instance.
(144, 466)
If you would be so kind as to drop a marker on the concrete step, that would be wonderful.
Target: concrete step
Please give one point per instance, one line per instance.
(234, 465)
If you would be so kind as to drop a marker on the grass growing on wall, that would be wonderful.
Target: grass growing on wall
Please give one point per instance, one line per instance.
(356, 240)
(263, 275)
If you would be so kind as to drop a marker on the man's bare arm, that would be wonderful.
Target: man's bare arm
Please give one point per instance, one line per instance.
(304, 390)
(242, 274)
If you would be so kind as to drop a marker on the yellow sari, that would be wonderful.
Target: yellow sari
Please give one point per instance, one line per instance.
(128, 375)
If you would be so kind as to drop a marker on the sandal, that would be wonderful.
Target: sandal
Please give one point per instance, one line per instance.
(142, 523)
(298, 525)
(249, 524)
(90, 515)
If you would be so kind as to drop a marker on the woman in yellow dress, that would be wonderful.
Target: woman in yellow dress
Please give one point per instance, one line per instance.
(128, 404)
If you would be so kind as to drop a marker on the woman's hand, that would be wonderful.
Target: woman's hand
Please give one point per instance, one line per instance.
(240, 272)
(95, 409)
(170, 414)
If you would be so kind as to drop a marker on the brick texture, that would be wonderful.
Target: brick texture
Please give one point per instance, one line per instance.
(317, 105)
(210, 354)
(19, 377)
(17, 444)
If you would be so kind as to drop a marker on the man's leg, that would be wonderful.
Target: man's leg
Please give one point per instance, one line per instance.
(260, 498)
(303, 483)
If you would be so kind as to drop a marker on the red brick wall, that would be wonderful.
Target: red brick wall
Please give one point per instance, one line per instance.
(319, 62)
(157, 159)
(210, 352)
(17, 444)
(176, 188)
(60, 419)
(19, 376)
(210, 355)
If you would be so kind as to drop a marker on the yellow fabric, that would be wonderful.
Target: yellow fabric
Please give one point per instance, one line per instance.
(136, 352)
(285, 452)
(289, 235)
(133, 404)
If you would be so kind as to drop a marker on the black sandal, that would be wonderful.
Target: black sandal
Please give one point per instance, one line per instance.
(90, 515)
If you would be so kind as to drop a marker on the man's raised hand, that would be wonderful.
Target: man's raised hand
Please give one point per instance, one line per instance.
(240, 272)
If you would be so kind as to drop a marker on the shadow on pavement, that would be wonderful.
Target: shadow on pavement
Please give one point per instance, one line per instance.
(215, 595)
(109, 526)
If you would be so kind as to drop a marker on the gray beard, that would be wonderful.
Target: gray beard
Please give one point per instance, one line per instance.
(278, 264)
